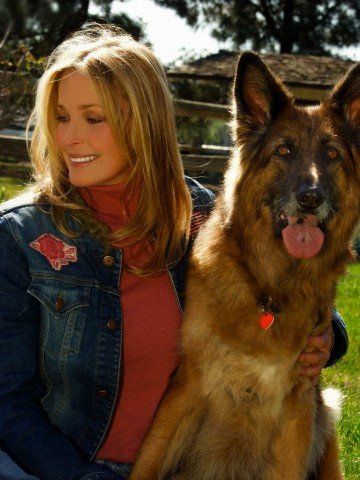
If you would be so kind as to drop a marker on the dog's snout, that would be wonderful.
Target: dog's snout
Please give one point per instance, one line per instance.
(310, 197)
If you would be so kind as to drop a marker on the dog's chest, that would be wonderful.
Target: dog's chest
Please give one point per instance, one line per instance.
(240, 380)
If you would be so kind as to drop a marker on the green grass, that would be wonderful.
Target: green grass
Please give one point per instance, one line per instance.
(9, 187)
(345, 374)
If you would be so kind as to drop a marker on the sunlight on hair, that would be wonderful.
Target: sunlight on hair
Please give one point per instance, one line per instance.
(120, 69)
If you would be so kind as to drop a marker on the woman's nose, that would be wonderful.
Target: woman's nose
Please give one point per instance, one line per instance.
(70, 134)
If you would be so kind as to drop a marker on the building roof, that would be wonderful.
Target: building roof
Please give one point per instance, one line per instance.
(295, 70)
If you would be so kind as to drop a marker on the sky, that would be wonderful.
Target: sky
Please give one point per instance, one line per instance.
(171, 37)
(169, 34)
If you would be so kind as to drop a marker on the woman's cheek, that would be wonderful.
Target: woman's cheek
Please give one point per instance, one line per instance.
(58, 137)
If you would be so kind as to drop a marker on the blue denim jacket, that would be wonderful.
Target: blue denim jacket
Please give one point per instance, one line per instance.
(60, 344)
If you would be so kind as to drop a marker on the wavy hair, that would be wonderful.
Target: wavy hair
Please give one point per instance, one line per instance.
(120, 69)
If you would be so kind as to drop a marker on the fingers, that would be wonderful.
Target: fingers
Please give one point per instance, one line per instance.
(312, 371)
(312, 364)
(322, 341)
(314, 358)
(316, 354)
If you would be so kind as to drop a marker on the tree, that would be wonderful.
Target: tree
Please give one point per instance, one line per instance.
(43, 24)
(17, 70)
(29, 31)
(289, 26)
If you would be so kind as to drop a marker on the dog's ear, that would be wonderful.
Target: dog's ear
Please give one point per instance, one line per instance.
(259, 95)
(345, 97)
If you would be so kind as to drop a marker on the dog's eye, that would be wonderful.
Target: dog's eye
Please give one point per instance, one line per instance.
(283, 150)
(332, 153)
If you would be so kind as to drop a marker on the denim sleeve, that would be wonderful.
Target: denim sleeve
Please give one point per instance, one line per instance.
(35, 445)
(341, 340)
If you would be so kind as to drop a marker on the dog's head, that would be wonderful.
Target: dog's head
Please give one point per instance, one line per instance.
(300, 165)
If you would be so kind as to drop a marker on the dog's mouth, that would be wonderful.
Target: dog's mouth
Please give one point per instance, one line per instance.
(303, 235)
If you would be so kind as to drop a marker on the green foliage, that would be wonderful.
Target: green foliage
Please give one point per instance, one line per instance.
(9, 187)
(3, 195)
(18, 68)
(43, 24)
(197, 131)
(303, 26)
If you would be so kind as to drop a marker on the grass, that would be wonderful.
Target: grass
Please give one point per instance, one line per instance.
(9, 187)
(344, 375)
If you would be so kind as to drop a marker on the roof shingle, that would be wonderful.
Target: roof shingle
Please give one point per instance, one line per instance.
(309, 70)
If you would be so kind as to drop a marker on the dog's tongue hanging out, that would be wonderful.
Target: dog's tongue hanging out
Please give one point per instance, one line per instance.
(305, 239)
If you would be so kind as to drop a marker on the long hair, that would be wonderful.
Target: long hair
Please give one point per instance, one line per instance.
(120, 69)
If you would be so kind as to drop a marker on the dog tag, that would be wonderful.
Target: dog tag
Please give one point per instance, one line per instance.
(266, 320)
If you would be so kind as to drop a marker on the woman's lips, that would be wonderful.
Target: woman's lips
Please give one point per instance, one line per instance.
(83, 159)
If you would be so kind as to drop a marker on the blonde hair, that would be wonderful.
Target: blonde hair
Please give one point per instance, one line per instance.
(120, 69)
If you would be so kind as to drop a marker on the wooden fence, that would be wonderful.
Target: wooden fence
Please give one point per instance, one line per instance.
(206, 162)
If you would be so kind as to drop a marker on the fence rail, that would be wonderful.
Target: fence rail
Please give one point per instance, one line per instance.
(208, 159)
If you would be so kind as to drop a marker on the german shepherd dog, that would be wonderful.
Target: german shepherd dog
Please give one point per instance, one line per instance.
(262, 278)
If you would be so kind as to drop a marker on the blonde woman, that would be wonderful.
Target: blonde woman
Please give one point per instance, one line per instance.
(93, 263)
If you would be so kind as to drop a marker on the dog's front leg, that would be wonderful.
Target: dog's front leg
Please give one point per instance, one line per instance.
(292, 445)
(171, 434)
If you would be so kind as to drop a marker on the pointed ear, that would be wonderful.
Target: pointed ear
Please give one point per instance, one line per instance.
(345, 97)
(259, 95)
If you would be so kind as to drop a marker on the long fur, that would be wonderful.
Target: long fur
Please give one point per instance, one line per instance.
(238, 408)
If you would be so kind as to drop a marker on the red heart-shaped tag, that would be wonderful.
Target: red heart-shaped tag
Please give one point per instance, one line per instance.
(266, 320)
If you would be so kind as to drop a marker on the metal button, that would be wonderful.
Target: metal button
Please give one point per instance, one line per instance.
(108, 260)
(59, 303)
(103, 393)
(111, 324)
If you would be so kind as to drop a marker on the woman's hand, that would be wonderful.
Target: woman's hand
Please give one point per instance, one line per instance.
(316, 354)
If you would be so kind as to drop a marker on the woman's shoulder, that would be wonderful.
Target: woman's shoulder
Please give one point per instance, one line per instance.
(203, 198)
(25, 213)
(25, 201)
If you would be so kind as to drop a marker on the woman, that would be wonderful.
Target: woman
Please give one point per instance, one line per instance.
(93, 265)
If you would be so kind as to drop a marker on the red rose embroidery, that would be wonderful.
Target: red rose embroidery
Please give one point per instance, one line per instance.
(197, 220)
(57, 252)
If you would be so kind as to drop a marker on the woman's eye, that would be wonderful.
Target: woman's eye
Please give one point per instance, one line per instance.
(60, 118)
(283, 150)
(332, 153)
(94, 120)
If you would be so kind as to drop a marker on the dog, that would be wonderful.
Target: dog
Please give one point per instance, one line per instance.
(262, 277)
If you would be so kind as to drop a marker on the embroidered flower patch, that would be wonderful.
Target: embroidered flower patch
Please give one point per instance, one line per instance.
(57, 252)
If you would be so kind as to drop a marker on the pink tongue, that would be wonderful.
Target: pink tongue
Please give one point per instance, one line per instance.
(303, 241)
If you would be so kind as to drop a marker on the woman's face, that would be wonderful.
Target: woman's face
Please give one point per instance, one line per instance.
(84, 137)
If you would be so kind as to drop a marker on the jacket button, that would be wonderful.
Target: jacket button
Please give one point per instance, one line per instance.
(108, 260)
(103, 393)
(111, 324)
(59, 303)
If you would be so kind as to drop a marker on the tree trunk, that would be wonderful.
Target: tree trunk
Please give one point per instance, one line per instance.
(287, 40)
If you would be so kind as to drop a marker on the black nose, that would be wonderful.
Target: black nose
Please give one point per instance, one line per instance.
(310, 198)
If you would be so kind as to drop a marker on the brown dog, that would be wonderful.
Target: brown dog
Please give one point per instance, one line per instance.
(262, 278)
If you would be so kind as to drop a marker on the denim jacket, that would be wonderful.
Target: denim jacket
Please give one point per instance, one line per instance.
(60, 341)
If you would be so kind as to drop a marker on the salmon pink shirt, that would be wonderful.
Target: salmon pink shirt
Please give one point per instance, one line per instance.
(151, 321)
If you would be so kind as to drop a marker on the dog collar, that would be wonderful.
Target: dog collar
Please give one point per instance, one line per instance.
(269, 310)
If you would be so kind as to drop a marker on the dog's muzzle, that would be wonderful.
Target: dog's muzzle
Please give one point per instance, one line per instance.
(302, 221)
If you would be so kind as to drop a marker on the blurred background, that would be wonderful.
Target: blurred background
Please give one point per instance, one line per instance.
(308, 44)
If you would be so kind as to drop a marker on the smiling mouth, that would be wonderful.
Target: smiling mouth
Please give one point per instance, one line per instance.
(85, 159)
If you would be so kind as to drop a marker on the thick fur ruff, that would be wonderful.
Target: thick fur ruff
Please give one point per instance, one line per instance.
(237, 408)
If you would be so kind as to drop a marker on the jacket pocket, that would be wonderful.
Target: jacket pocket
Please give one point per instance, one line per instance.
(63, 314)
